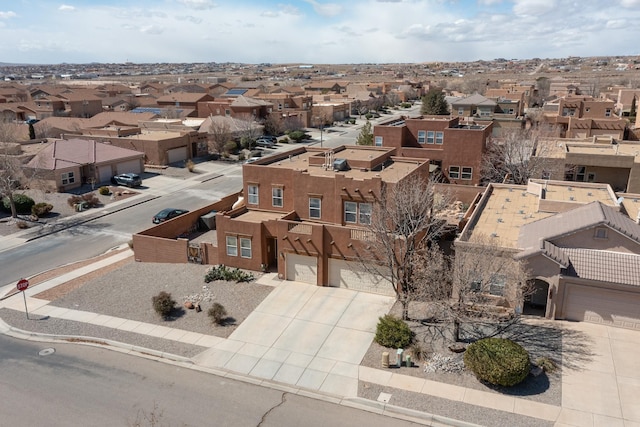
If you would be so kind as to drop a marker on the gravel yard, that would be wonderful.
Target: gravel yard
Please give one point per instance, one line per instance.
(447, 366)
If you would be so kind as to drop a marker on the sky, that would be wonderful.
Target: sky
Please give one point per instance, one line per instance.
(313, 31)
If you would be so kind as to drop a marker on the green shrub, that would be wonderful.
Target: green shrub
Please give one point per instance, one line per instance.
(89, 199)
(368, 116)
(498, 361)
(352, 121)
(104, 190)
(241, 157)
(23, 203)
(230, 147)
(393, 332)
(163, 304)
(41, 209)
(285, 140)
(222, 272)
(298, 135)
(217, 313)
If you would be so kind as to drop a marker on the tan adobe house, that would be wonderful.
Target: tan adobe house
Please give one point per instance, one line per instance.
(596, 159)
(239, 106)
(65, 165)
(583, 117)
(503, 112)
(454, 149)
(303, 214)
(81, 103)
(580, 246)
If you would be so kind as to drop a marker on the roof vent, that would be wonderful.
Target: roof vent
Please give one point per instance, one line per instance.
(500, 220)
(494, 234)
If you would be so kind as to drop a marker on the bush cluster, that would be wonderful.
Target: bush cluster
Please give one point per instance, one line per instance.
(217, 313)
(393, 332)
(163, 304)
(90, 199)
(41, 209)
(498, 361)
(22, 201)
(222, 272)
(104, 190)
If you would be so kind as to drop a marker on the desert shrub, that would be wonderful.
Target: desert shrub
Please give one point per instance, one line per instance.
(393, 332)
(498, 361)
(41, 209)
(104, 190)
(368, 116)
(217, 313)
(352, 121)
(22, 201)
(418, 351)
(90, 199)
(191, 167)
(222, 272)
(298, 135)
(22, 225)
(163, 304)
(241, 157)
(231, 147)
(285, 140)
(547, 364)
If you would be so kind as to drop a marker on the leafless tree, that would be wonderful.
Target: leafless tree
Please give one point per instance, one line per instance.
(360, 107)
(219, 134)
(11, 171)
(480, 287)
(273, 124)
(511, 156)
(392, 99)
(248, 129)
(405, 219)
(292, 123)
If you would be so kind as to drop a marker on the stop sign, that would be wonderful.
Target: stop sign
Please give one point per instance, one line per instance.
(23, 284)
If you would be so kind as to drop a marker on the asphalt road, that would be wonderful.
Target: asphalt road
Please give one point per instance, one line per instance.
(88, 386)
(99, 235)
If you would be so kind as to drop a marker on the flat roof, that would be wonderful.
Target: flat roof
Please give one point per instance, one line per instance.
(395, 171)
(509, 207)
(258, 216)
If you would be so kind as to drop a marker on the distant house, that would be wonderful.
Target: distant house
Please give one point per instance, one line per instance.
(67, 164)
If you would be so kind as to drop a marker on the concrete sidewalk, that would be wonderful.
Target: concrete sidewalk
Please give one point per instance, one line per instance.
(312, 340)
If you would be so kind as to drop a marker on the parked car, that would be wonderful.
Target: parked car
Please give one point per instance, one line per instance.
(167, 214)
(128, 179)
(270, 138)
(264, 142)
(252, 159)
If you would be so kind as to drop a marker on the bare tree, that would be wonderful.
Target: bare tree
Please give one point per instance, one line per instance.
(273, 124)
(11, 171)
(248, 129)
(407, 216)
(292, 123)
(481, 287)
(511, 156)
(360, 107)
(219, 135)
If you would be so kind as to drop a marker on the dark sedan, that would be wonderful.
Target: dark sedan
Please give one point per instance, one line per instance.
(167, 214)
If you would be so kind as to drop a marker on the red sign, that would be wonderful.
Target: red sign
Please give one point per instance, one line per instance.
(23, 284)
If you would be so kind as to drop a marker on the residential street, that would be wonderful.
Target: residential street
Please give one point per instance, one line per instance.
(88, 386)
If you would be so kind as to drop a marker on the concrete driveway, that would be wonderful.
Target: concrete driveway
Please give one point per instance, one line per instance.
(606, 391)
(304, 335)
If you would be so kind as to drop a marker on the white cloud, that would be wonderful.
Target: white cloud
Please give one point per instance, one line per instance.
(489, 2)
(533, 7)
(189, 18)
(7, 15)
(616, 23)
(151, 29)
(198, 4)
(630, 3)
(327, 9)
(66, 8)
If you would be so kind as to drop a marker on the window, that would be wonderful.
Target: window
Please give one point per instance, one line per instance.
(607, 112)
(315, 207)
(232, 246)
(461, 111)
(439, 137)
(254, 198)
(245, 247)
(276, 197)
(496, 285)
(227, 112)
(431, 136)
(68, 178)
(467, 172)
(422, 136)
(365, 213)
(454, 172)
(350, 212)
(581, 173)
(568, 111)
(600, 233)
(591, 177)
(378, 141)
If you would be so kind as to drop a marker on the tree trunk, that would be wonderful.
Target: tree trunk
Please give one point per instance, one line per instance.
(456, 330)
(405, 307)
(12, 204)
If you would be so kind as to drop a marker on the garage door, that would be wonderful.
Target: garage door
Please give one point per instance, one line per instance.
(302, 268)
(605, 306)
(353, 275)
(132, 166)
(104, 173)
(177, 155)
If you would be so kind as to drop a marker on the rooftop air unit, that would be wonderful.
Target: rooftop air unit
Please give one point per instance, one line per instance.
(340, 165)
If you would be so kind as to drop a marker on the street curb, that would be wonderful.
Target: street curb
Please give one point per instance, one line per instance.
(359, 403)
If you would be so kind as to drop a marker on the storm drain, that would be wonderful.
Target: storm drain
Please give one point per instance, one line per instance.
(46, 351)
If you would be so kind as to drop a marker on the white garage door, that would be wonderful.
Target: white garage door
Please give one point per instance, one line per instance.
(605, 306)
(302, 268)
(177, 155)
(353, 275)
(104, 173)
(131, 166)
